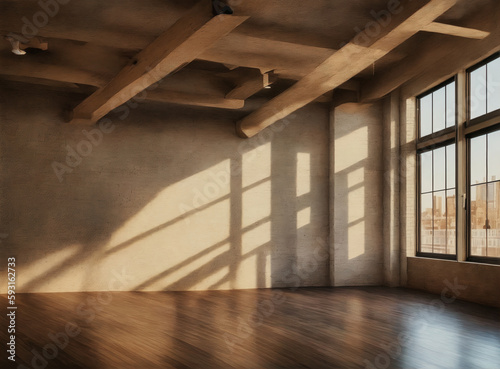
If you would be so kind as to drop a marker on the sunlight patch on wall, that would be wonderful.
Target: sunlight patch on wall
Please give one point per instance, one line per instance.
(185, 246)
(255, 263)
(356, 203)
(196, 271)
(215, 279)
(254, 238)
(254, 268)
(256, 204)
(178, 203)
(351, 149)
(303, 173)
(256, 165)
(68, 276)
(303, 217)
(356, 240)
(355, 177)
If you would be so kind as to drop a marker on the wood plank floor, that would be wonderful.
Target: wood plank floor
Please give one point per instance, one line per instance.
(307, 328)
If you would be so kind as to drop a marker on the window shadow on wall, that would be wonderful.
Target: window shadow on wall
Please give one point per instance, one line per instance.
(170, 199)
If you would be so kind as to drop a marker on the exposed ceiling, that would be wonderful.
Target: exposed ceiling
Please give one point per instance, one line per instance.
(91, 42)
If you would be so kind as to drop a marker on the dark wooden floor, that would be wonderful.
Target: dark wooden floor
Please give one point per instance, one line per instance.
(307, 328)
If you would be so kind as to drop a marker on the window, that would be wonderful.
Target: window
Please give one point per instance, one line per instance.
(438, 201)
(437, 110)
(483, 138)
(484, 191)
(459, 166)
(484, 88)
(437, 163)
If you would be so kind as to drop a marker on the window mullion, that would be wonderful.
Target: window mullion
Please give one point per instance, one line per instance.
(461, 163)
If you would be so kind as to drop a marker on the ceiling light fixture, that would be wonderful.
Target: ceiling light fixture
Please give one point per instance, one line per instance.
(19, 45)
(266, 80)
(15, 46)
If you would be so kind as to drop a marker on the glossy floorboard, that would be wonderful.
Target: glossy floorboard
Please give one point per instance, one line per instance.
(306, 328)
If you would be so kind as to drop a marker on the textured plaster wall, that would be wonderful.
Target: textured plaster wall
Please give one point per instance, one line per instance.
(357, 171)
(167, 199)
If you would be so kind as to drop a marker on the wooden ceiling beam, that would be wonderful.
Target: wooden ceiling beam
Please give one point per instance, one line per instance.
(433, 55)
(454, 61)
(287, 60)
(187, 87)
(448, 29)
(345, 64)
(175, 48)
(351, 85)
(194, 99)
(26, 67)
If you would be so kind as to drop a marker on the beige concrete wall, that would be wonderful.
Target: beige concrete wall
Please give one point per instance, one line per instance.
(357, 175)
(466, 281)
(167, 199)
(393, 175)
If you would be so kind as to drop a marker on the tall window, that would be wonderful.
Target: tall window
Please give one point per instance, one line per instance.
(437, 162)
(475, 172)
(485, 195)
(483, 137)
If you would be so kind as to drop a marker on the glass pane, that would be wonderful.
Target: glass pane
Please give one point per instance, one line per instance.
(494, 220)
(493, 85)
(478, 220)
(450, 105)
(478, 160)
(439, 110)
(426, 223)
(450, 166)
(439, 169)
(426, 115)
(494, 156)
(478, 92)
(426, 172)
(440, 222)
(451, 211)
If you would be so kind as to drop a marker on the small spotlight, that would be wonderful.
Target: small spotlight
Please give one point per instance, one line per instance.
(267, 81)
(15, 46)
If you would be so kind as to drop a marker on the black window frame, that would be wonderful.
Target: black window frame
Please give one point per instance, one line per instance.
(481, 131)
(470, 257)
(433, 141)
(488, 116)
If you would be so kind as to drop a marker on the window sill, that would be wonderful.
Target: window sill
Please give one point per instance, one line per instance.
(471, 262)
